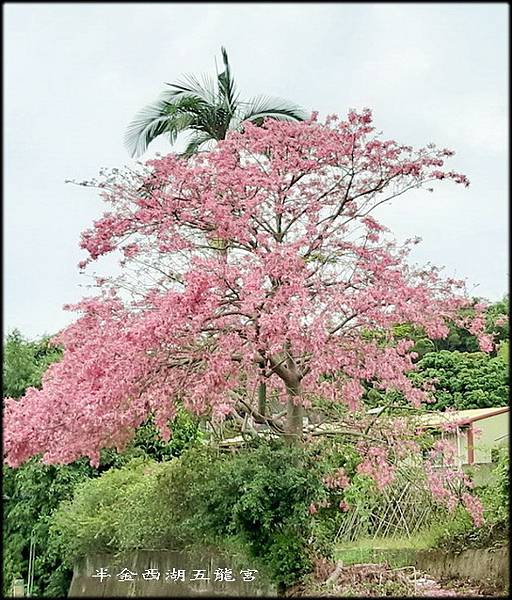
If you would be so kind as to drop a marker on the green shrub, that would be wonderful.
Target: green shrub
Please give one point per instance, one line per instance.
(112, 512)
(459, 532)
(287, 558)
(255, 501)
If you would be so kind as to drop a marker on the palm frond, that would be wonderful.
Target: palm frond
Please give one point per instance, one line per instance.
(214, 120)
(162, 116)
(263, 107)
(190, 86)
(147, 124)
(208, 107)
(179, 122)
(194, 145)
(226, 83)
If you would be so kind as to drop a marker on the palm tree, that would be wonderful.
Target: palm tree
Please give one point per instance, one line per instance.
(209, 111)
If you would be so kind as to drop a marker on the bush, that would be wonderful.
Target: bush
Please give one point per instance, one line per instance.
(104, 511)
(261, 496)
(287, 557)
(255, 502)
(459, 533)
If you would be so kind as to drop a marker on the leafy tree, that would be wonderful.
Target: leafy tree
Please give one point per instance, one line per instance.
(497, 319)
(207, 110)
(31, 495)
(24, 363)
(460, 338)
(464, 379)
(32, 492)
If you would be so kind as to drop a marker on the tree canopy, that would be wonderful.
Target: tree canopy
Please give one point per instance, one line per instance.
(24, 362)
(308, 272)
(464, 380)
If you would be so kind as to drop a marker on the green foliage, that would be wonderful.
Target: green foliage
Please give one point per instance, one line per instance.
(287, 556)
(422, 344)
(495, 314)
(185, 432)
(24, 363)
(462, 341)
(454, 532)
(36, 490)
(111, 512)
(464, 380)
(466, 377)
(495, 497)
(329, 455)
(458, 339)
(126, 508)
(261, 496)
(33, 492)
(256, 500)
(458, 531)
(503, 351)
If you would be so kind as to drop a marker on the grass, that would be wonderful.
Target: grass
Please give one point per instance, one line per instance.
(397, 550)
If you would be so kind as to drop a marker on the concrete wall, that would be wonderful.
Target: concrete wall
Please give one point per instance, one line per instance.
(482, 566)
(84, 584)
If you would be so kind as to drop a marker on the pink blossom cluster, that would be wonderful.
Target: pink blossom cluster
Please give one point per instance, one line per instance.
(450, 487)
(474, 507)
(445, 449)
(376, 465)
(338, 479)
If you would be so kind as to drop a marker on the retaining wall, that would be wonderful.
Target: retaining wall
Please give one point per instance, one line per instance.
(490, 566)
(485, 566)
(85, 583)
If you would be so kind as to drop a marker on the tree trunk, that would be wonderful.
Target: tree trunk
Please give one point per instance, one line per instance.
(294, 414)
(262, 399)
(262, 392)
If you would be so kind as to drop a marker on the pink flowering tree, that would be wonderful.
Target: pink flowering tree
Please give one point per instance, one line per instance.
(256, 264)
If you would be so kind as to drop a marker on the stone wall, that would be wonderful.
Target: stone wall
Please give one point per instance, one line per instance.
(490, 566)
(483, 566)
(85, 584)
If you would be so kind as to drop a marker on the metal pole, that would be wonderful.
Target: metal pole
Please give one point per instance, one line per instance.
(31, 557)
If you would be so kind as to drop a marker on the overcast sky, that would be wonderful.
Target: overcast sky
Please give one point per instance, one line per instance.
(75, 74)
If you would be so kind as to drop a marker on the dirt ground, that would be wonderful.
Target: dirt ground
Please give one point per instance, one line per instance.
(373, 580)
